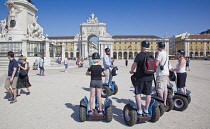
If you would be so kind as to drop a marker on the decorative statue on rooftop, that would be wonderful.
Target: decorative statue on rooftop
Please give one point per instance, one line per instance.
(92, 19)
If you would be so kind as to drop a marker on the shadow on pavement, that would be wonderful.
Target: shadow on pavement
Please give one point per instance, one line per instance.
(125, 101)
(118, 115)
(7, 95)
(23, 92)
(75, 108)
(86, 89)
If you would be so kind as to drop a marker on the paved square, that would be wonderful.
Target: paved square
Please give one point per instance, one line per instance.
(54, 101)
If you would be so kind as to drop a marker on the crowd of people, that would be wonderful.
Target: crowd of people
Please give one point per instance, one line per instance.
(143, 85)
(18, 74)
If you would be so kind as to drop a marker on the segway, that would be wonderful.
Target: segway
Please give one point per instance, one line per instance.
(130, 112)
(107, 110)
(170, 102)
(181, 100)
(110, 88)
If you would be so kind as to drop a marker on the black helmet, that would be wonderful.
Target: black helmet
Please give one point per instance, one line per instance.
(161, 45)
(95, 56)
(145, 44)
(107, 49)
(181, 52)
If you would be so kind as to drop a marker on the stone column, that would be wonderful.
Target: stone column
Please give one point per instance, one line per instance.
(24, 47)
(186, 49)
(69, 54)
(199, 53)
(85, 50)
(75, 49)
(133, 54)
(204, 50)
(63, 51)
(117, 55)
(101, 50)
(54, 50)
(123, 55)
(47, 52)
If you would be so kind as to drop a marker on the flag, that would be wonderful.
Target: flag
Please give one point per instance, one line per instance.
(129, 46)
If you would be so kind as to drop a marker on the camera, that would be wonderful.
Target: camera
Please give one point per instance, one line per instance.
(161, 67)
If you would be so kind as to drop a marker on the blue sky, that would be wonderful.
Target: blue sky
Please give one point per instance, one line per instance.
(123, 17)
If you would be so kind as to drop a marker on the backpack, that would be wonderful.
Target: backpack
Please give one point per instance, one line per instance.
(149, 64)
(114, 71)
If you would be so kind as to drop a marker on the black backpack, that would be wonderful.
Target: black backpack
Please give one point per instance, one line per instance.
(114, 71)
(149, 64)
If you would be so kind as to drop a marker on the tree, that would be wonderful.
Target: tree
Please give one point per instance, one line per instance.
(205, 32)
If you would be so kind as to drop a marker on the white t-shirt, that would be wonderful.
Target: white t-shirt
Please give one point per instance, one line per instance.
(163, 58)
(65, 61)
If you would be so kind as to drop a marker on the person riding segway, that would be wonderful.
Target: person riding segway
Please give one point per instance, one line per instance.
(109, 86)
(182, 96)
(86, 108)
(145, 66)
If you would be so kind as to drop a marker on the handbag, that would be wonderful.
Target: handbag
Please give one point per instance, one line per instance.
(23, 73)
(172, 76)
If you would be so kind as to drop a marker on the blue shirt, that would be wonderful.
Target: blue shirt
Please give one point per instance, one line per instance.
(90, 61)
(106, 61)
(41, 62)
(12, 64)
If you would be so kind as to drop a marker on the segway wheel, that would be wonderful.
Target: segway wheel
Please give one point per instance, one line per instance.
(130, 115)
(109, 114)
(189, 99)
(82, 113)
(170, 91)
(162, 109)
(180, 103)
(155, 114)
(170, 104)
(115, 89)
(105, 92)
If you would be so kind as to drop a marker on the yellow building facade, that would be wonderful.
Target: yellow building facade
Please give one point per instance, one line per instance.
(197, 46)
(128, 46)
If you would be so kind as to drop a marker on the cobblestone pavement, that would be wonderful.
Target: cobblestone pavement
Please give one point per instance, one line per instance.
(54, 101)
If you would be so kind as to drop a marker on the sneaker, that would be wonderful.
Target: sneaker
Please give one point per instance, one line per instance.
(13, 100)
(43, 75)
(146, 114)
(100, 112)
(90, 112)
(28, 93)
(18, 95)
(166, 107)
(139, 114)
(10, 99)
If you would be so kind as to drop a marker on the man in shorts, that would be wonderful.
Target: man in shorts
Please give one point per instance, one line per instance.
(65, 64)
(162, 72)
(12, 77)
(144, 81)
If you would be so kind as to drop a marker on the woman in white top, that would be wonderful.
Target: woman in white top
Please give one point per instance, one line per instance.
(180, 70)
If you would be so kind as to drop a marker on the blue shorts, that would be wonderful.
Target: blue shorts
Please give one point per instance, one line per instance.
(66, 66)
